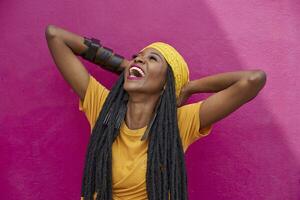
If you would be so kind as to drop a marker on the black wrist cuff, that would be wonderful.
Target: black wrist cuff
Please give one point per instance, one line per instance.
(93, 46)
(103, 55)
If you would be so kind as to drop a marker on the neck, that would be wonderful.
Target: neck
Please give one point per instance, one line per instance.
(140, 110)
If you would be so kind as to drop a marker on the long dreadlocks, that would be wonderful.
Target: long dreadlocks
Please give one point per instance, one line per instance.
(166, 173)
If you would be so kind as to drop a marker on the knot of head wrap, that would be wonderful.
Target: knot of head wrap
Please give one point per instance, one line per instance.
(176, 62)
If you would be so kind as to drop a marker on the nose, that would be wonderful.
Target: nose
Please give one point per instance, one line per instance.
(139, 59)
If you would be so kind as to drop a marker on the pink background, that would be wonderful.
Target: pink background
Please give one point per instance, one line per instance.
(252, 154)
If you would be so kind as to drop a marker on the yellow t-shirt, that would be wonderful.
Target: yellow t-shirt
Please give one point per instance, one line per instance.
(129, 153)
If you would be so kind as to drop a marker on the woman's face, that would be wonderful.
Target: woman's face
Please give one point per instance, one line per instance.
(146, 72)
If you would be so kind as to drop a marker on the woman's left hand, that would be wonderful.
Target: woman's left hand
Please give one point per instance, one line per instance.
(184, 94)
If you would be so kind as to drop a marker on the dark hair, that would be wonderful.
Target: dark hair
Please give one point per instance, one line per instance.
(166, 171)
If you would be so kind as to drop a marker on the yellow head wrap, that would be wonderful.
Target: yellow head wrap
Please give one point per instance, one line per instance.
(176, 61)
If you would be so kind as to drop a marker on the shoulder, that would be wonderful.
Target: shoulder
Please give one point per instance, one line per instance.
(94, 99)
(189, 123)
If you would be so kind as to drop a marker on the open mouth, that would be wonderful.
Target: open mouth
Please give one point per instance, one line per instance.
(135, 72)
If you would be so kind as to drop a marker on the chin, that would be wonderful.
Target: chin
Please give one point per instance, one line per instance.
(134, 86)
(131, 88)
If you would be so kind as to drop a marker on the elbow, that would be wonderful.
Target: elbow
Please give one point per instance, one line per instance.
(254, 83)
(50, 31)
(258, 78)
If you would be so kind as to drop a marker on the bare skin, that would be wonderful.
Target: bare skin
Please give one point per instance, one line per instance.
(231, 89)
(144, 93)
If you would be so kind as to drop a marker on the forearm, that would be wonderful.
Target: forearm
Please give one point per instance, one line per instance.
(75, 42)
(221, 81)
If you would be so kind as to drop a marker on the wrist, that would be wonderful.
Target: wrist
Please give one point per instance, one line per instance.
(124, 63)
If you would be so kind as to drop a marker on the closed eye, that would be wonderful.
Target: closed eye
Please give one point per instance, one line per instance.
(152, 57)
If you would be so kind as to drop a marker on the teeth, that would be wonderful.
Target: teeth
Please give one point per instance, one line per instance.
(137, 69)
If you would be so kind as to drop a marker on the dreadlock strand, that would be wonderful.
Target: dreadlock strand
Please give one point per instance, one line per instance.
(174, 153)
(171, 138)
(161, 142)
(165, 150)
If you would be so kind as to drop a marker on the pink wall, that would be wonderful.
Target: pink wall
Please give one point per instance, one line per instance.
(252, 154)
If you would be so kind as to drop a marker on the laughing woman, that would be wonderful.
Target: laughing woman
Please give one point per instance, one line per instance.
(140, 129)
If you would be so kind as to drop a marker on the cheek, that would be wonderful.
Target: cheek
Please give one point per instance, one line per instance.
(157, 70)
(157, 78)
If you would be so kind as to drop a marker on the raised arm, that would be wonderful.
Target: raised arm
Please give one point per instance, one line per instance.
(65, 47)
(232, 90)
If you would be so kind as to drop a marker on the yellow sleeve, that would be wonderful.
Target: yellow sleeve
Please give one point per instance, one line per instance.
(93, 101)
(189, 124)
